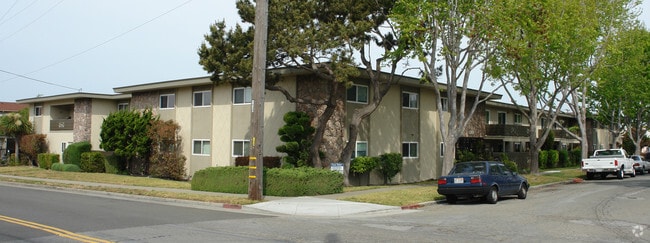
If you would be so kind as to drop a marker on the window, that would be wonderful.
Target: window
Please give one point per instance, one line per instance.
(444, 104)
(202, 98)
(38, 110)
(410, 149)
(122, 106)
(518, 147)
(242, 95)
(361, 149)
(442, 149)
(240, 148)
(358, 93)
(200, 147)
(487, 117)
(167, 101)
(502, 118)
(517, 118)
(409, 100)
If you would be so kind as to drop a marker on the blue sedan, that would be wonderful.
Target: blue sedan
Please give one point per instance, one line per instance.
(485, 179)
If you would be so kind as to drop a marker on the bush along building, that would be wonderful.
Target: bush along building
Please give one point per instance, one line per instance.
(214, 121)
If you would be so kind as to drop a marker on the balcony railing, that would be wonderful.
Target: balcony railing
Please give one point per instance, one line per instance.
(61, 124)
(507, 130)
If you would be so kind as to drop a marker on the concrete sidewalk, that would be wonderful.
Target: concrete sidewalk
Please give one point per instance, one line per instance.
(316, 206)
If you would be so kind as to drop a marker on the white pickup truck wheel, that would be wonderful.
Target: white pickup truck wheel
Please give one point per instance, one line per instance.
(621, 173)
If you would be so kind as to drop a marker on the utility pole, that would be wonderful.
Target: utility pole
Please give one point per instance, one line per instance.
(256, 162)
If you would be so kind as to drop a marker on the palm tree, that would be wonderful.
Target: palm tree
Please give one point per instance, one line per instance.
(16, 125)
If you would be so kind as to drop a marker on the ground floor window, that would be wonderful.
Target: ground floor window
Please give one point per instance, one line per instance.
(240, 148)
(200, 147)
(410, 149)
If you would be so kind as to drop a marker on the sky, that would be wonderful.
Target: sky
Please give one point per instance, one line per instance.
(52, 47)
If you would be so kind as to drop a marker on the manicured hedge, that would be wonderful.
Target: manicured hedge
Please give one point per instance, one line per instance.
(92, 162)
(45, 160)
(302, 181)
(277, 182)
(66, 167)
(72, 154)
(227, 179)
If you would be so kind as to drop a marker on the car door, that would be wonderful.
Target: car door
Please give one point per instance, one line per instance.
(511, 179)
(498, 177)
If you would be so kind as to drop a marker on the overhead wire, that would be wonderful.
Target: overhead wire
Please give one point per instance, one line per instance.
(88, 49)
(30, 23)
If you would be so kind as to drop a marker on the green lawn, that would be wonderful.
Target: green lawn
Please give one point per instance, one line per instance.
(422, 192)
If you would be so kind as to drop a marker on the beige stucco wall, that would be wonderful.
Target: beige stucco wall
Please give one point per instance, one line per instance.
(100, 110)
(430, 161)
(221, 125)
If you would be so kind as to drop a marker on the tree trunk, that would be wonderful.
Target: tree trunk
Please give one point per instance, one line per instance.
(534, 151)
(17, 149)
(314, 150)
(346, 155)
(449, 156)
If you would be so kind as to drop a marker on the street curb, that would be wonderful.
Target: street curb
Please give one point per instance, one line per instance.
(232, 206)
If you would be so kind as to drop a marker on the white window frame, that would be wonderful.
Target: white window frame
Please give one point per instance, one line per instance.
(410, 96)
(356, 149)
(487, 117)
(206, 97)
(247, 93)
(518, 118)
(410, 144)
(202, 143)
(122, 106)
(167, 107)
(245, 149)
(444, 104)
(355, 99)
(505, 118)
(38, 110)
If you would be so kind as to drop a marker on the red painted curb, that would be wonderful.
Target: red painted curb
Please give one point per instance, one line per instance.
(231, 206)
(578, 180)
(413, 206)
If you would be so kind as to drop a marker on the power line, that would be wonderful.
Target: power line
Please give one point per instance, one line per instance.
(30, 23)
(38, 80)
(91, 48)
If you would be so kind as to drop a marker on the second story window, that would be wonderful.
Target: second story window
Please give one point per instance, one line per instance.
(502, 118)
(517, 118)
(122, 106)
(487, 117)
(167, 101)
(358, 94)
(38, 110)
(202, 98)
(242, 95)
(409, 100)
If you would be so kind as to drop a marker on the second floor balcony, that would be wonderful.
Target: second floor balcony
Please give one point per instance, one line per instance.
(61, 124)
(506, 130)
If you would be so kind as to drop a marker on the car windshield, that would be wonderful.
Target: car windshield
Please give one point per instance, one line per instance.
(469, 168)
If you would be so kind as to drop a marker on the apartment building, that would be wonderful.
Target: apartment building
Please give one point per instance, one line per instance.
(215, 120)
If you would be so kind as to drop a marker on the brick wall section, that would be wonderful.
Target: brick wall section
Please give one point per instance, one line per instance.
(308, 87)
(82, 119)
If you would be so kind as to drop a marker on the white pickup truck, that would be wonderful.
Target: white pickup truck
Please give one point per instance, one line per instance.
(608, 161)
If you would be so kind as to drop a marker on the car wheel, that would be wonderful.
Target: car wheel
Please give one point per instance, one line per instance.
(452, 199)
(620, 174)
(523, 192)
(492, 196)
(590, 175)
